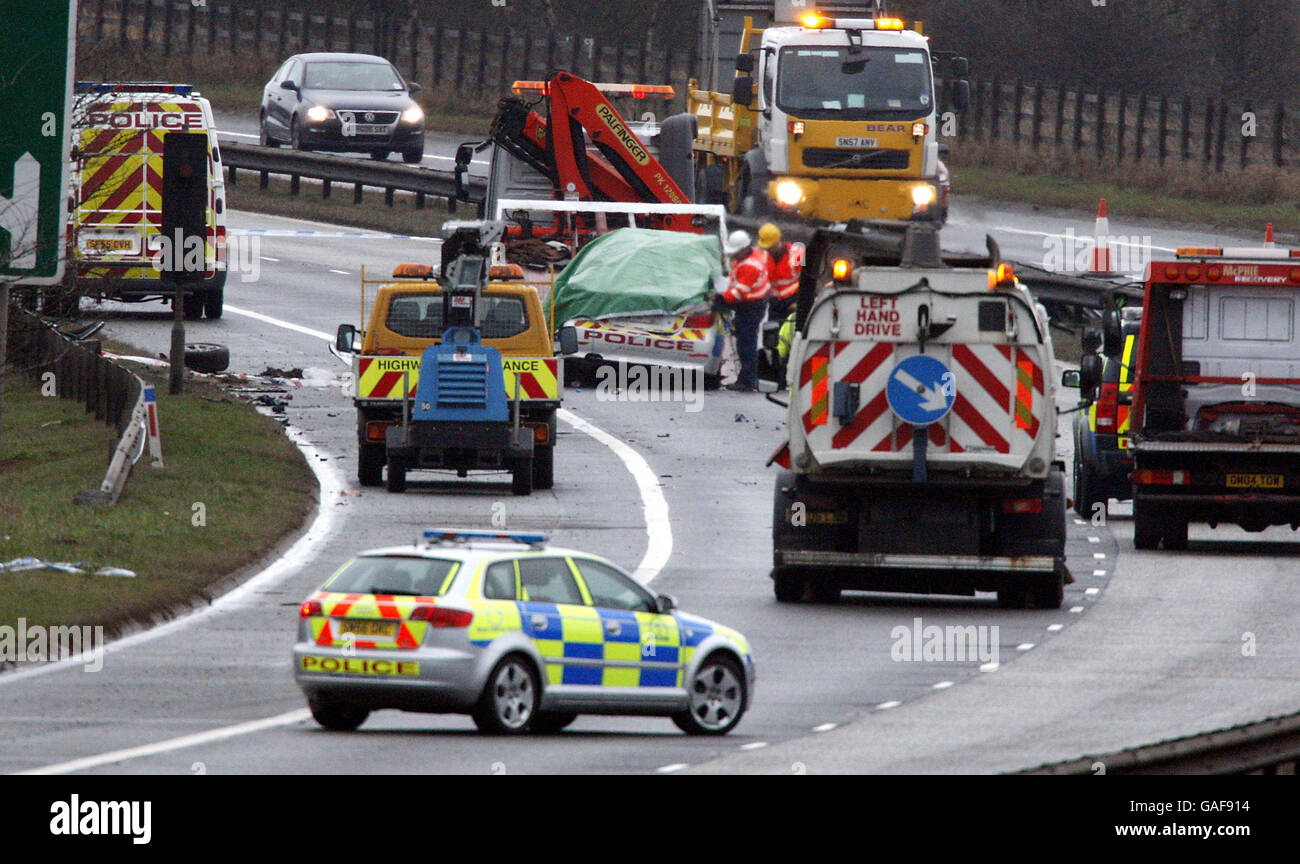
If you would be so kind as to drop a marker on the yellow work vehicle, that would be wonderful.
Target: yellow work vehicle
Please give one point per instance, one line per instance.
(493, 381)
(828, 119)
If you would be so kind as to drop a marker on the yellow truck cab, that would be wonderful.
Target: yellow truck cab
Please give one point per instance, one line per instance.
(406, 319)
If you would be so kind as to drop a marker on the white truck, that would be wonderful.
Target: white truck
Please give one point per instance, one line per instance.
(921, 429)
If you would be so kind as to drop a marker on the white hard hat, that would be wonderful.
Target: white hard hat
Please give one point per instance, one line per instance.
(736, 241)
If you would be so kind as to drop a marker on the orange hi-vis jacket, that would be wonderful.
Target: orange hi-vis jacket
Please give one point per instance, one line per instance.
(785, 272)
(750, 279)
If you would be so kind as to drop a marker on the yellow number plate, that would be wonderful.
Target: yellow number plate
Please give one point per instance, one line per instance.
(110, 245)
(386, 629)
(1256, 481)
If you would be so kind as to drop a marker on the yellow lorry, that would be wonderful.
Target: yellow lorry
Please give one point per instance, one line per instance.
(830, 117)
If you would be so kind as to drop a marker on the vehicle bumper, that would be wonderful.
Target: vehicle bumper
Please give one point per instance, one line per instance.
(328, 135)
(459, 445)
(446, 680)
(839, 199)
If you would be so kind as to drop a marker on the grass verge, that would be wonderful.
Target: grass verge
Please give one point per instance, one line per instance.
(372, 213)
(1236, 199)
(253, 485)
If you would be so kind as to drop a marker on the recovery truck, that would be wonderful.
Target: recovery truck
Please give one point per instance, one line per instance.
(921, 429)
(594, 154)
(1216, 407)
(842, 123)
(458, 371)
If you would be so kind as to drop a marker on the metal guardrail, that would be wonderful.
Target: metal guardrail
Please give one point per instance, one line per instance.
(359, 173)
(1267, 747)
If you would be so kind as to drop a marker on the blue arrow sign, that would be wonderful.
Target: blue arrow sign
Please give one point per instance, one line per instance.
(921, 390)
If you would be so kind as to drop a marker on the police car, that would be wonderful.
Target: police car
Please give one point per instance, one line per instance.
(517, 634)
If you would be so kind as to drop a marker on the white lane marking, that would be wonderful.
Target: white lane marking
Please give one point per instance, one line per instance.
(340, 272)
(269, 258)
(1081, 238)
(1080, 522)
(212, 735)
(658, 529)
(239, 134)
(825, 727)
(1100, 556)
(668, 769)
(990, 667)
(754, 745)
(267, 319)
(1092, 592)
(1024, 646)
(1054, 628)
(1097, 573)
(1075, 610)
(885, 706)
(942, 685)
(331, 485)
(1094, 539)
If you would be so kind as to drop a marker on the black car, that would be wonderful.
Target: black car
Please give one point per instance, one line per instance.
(343, 103)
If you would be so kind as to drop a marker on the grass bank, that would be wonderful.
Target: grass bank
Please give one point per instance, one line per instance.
(1235, 199)
(372, 213)
(233, 487)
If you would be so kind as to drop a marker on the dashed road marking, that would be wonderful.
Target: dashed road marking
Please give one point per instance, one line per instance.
(340, 272)
(824, 727)
(885, 706)
(1024, 646)
(668, 769)
(1076, 609)
(1054, 628)
(990, 667)
(754, 745)
(1097, 573)
(1092, 592)
(942, 685)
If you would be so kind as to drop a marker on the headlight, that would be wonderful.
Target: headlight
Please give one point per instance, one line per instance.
(923, 196)
(414, 114)
(319, 113)
(789, 193)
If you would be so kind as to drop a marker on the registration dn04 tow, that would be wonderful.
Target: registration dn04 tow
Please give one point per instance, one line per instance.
(921, 430)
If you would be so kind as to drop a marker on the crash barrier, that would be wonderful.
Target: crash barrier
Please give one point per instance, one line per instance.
(478, 63)
(390, 176)
(1267, 747)
(111, 392)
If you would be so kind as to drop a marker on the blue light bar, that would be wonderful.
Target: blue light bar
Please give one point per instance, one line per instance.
(449, 534)
(133, 87)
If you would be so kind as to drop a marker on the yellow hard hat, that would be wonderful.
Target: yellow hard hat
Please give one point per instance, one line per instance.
(768, 236)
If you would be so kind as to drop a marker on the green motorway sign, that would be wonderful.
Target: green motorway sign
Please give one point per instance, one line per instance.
(37, 52)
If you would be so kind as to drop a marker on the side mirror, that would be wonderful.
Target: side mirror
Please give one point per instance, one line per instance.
(665, 603)
(464, 155)
(960, 67)
(288, 84)
(568, 340)
(744, 62)
(414, 87)
(1090, 341)
(1112, 332)
(1090, 375)
(347, 339)
(961, 95)
(1070, 378)
(772, 334)
(742, 92)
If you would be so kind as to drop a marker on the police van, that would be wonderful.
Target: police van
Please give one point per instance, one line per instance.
(115, 231)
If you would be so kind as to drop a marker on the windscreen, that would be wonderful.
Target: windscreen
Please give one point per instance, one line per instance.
(339, 75)
(827, 82)
(424, 577)
(419, 316)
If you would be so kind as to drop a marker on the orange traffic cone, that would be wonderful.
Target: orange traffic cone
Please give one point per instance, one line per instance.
(1101, 249)
(1268, 236)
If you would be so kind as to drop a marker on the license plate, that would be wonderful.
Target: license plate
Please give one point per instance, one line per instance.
(849, 141)
(828, 517)
(1256, 481)
(368, 129)
(387, 629)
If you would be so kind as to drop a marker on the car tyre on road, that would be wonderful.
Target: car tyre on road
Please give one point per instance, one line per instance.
(336, 716)
(550, 723)
(717, 698)
(413, 156)
(509, 699)
(207, 357)
(264, 134)
(379, 155)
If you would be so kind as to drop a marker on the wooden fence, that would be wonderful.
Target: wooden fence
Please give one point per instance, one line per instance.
(482, 64)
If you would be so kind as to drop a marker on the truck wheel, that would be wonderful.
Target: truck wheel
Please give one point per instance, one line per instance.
(1146, 524)
(1175, 533)
(214, 302)
(1085, 497)
(521, 477)
(544, 467)
(192, 307)
(1049, 593)
(1013, 595)
(396, 475)
(206, 357)
(370, 464)
(825, 591)
(788, 584)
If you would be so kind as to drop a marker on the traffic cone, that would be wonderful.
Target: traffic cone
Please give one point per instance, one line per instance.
(1268, 236)
(1101, 249)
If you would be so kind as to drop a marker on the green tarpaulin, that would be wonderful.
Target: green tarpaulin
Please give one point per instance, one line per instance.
(637, 270)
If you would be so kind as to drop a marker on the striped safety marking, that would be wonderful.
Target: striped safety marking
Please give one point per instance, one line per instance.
(381, 377)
